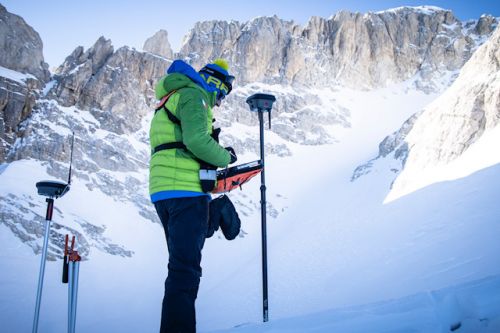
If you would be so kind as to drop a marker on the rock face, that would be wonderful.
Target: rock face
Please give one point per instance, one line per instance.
(78, 69)
(452, 123)
(485, 25)
(22, 72)
(158, 44)
(394, 145)
(99, 156)
(21, 47)
(117, 87)
(358, 50)
(299, 115)
(30, 230)
(17, 99)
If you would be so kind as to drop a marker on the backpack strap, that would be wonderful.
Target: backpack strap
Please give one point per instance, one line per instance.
(170, 145)
(164, 100)
(172, 118)
(163, 105)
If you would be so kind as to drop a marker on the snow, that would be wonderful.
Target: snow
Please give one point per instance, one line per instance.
(156, 55)
(452, 26)
(48, 86)
(467, 307)
(76, 69)
(98, 277)
(427, 10)
(340, 259)
(368, 245)
(481, 155)
(15, 76)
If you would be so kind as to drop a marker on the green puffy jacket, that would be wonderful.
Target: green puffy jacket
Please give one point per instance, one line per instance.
(177, 169)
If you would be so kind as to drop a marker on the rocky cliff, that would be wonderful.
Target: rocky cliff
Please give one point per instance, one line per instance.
(21, 47)
(22, 73)
(158, 44)
(117, 87)
(354, 49)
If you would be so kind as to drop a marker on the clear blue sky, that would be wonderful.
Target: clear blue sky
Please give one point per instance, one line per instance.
(65, 24)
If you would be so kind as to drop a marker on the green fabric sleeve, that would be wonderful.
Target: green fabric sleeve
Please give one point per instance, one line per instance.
(192, 112)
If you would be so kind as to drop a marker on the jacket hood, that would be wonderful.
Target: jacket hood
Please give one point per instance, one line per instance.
(180, 75)
(181, 67)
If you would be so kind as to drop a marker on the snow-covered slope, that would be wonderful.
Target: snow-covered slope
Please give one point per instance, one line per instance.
(106, 279)
(339, 245)
(335, 245)
(468, 308)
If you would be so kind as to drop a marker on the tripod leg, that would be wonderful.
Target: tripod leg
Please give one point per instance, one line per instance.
(41, 275)
(76, 272)
(70, 296)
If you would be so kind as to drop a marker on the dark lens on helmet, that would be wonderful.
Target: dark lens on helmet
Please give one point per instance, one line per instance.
(230, 79)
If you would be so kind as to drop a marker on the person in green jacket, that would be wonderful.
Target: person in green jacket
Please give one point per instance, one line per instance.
(185, 154)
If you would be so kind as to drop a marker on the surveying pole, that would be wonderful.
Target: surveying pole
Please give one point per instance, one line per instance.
(261, 103)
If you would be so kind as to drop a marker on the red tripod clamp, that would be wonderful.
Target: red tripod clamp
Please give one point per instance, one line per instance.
(74, 256)
(72, 253)
(69, 255)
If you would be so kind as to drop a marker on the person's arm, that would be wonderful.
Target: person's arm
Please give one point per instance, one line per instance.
(193, 116)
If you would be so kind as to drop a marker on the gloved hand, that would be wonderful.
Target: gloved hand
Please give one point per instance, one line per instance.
(232, 153)
(215, 134)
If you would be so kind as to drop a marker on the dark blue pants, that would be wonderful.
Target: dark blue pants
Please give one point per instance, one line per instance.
(185, 221)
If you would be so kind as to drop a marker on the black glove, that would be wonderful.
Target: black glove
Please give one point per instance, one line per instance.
(215, 134)
(232, 153)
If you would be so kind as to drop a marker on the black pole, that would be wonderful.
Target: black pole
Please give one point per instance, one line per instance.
(263, 219)
(50, 209)
(263, 103)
